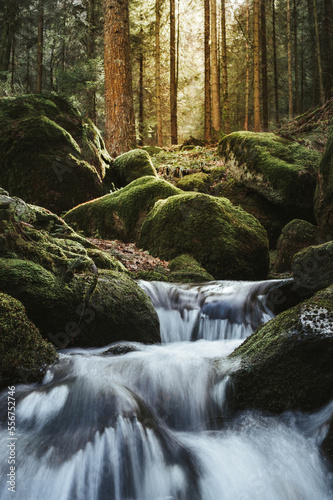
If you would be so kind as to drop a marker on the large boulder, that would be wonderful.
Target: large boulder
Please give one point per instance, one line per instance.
(273, 166)
(185, 269)
(287, 363)
(217, 182)
(120, 215)
(324, 191)
(59, 278)
(24, 353)
(313, 268)
(228, 242)
(130, 166)
(49, 155)
(295, 236)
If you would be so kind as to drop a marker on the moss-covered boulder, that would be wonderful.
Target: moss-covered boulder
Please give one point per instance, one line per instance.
(295, 236)
(120, 215)
(59, 277)
(130, 166)
(24, 353)
(324, 191)
(287, 363)
(225, 240)
(186, 269)
(199, 182)
(313, 268)
(281, 170)
(49, 155)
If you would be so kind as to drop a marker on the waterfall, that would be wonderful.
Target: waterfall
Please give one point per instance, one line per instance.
(154, 423)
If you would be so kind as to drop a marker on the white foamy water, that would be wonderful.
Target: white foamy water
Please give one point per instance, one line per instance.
(154, 423)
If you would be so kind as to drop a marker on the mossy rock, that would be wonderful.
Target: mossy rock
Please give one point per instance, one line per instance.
(295, 236)
(58, 281)
(49, 155)
(24, 353)
(186, 269)
(225, 240)
(120, 215)
(199, 182)
(287, 363)
(273, 166)
(85, 310)
(323, 200)
(130, 166)
(313, 268)
(152, 150)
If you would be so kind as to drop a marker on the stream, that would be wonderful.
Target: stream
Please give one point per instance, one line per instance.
(153, 422)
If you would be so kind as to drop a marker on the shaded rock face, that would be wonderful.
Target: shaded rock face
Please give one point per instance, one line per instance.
(273, 166)
(49, 155)
(324, 191)
(295, 236)
(120, 215)
(225, 240)
(313, 268)
(24, 353)
(130, 166)
(287, 363)
(54, 273)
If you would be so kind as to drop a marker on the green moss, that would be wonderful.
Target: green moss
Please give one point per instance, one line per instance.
(312, 268)
(24, 354)
(287, 363)
(130, 166)
(185, 268)
(324, 189)
(152, 150)
(46, 149)
(195, 182)
(104, 260)
(273, 166)
(295, 236)
(225, 240)
(120, 215)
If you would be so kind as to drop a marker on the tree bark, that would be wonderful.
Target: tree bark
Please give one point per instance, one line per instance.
(173, 81)
(320, 69)
(247, 83)
(226, 115)
(264, 66)
(91, 44)
(216, 116)
(256, 68)
(276, 84)
(8, 29)
(141, 73)
(39, 82)
(296, 58)
(208, 130)
(290, 81)
(158, 76)
(119, 110)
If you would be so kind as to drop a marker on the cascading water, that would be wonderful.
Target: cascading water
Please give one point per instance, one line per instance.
(153, 423)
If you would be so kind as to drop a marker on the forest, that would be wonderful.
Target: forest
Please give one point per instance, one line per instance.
(194, 67)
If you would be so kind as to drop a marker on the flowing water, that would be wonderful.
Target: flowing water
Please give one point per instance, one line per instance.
(154, 424)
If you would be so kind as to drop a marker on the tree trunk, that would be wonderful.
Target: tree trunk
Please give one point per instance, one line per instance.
(256, 68)
(8, 28)
(216, 116)
(320, 70)
(158, 76)
(12, 79)
(208, 130)
(226, 115)
(276, 85)
(247, 84)
(91, 43)
(141, 126)
(40, 47)
(290, 81)
(328, 59)
(264, 66)
(173, 82)
(119, 110)
(296, 59)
